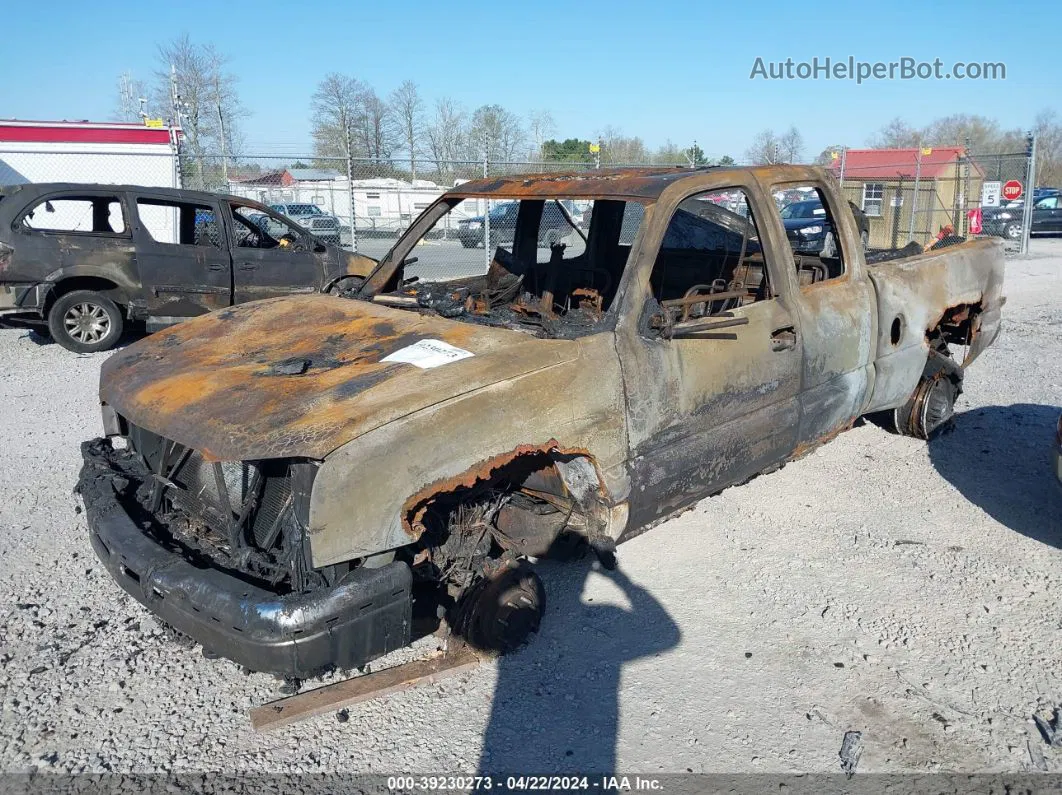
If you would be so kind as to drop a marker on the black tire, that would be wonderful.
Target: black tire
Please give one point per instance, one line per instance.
(85, 322)
(1012, 231)
(468, 243)
(500, 614)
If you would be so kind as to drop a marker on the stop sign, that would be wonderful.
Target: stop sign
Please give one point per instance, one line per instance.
(1011, 190)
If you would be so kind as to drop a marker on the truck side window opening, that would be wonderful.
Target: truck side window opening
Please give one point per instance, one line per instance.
(711, 248)
(811, 232)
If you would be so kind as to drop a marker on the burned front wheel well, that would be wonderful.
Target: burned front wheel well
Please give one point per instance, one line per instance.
(509, 506)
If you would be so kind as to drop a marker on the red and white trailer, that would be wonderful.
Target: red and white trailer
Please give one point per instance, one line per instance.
(66, 151)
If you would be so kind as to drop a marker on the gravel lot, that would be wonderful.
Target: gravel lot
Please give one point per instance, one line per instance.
(912, 593)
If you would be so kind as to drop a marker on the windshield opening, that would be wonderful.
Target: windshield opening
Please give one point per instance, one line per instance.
(547, 266)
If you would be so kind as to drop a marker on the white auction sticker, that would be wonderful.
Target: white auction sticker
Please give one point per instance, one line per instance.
(428, 353)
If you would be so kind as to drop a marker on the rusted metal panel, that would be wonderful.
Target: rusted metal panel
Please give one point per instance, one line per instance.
(575, 404)
(213, 383)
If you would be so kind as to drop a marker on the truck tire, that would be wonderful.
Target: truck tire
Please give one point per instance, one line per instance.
(83, 321)
(1012, 231)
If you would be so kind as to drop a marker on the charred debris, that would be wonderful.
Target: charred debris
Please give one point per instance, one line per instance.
(556, 299)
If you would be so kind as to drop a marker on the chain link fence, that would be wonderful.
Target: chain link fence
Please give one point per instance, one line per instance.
(911, 195)
(922, 195)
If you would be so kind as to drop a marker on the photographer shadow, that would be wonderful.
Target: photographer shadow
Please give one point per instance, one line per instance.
(556, 701)
(999, 458)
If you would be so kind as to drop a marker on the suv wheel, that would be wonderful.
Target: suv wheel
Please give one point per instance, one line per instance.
(1012, 230)
(85, 322)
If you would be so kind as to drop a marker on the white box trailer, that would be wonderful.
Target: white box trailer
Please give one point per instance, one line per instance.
(96, 153)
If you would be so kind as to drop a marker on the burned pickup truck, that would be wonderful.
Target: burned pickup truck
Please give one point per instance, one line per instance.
(82, 260)
(286, 480)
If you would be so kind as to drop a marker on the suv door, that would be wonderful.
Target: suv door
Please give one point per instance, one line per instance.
(711, 409)
(184, 267)
(266, 265)
(81, 232)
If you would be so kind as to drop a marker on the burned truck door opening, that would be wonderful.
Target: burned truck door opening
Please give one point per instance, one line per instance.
(714, 408)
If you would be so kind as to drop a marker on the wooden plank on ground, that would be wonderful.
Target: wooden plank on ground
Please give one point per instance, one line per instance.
(362, 688)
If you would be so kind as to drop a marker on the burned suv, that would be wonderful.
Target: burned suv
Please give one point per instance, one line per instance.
(82, 260)
(286, 480)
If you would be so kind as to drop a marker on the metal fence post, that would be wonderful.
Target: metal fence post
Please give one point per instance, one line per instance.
(1030, 187)
(350, 198)
(914, 196)
(486, 217)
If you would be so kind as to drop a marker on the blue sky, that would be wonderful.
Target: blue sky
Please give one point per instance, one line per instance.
(661, 70)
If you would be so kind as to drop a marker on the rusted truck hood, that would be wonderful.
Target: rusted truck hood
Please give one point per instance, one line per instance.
(300, 376)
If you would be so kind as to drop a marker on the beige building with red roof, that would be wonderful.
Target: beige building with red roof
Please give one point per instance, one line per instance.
(882, 182)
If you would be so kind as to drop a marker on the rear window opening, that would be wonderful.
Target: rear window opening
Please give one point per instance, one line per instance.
(550, 267)
(84, 214)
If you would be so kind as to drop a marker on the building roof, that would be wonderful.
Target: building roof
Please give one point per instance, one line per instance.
(888, 164)
(314, 174)
(83, 132)
(270, 178)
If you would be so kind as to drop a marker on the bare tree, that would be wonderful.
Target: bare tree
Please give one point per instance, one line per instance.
(830, 155)
(495, 133)
(186, 85)
(619, 149)
(376, 127)
(1048, 131)
(766, 149)
(670, 154)
(408, 109)
(444, 135)
(791, 145)
(897, 134)
(130, 92)
(335, 112)
(540, 125)
(226, 105)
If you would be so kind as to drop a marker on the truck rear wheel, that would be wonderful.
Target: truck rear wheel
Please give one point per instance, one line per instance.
(929, 409)
(83, 321)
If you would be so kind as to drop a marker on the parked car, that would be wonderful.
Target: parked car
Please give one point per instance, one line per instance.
(554, 227)
(82, 260)
(1007, 221)
(425, 439)
(806, 227)
(315, 220)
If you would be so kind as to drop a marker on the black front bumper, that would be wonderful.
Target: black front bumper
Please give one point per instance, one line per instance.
(297, 635)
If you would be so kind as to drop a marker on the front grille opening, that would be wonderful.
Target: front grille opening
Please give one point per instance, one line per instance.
(236, 516)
